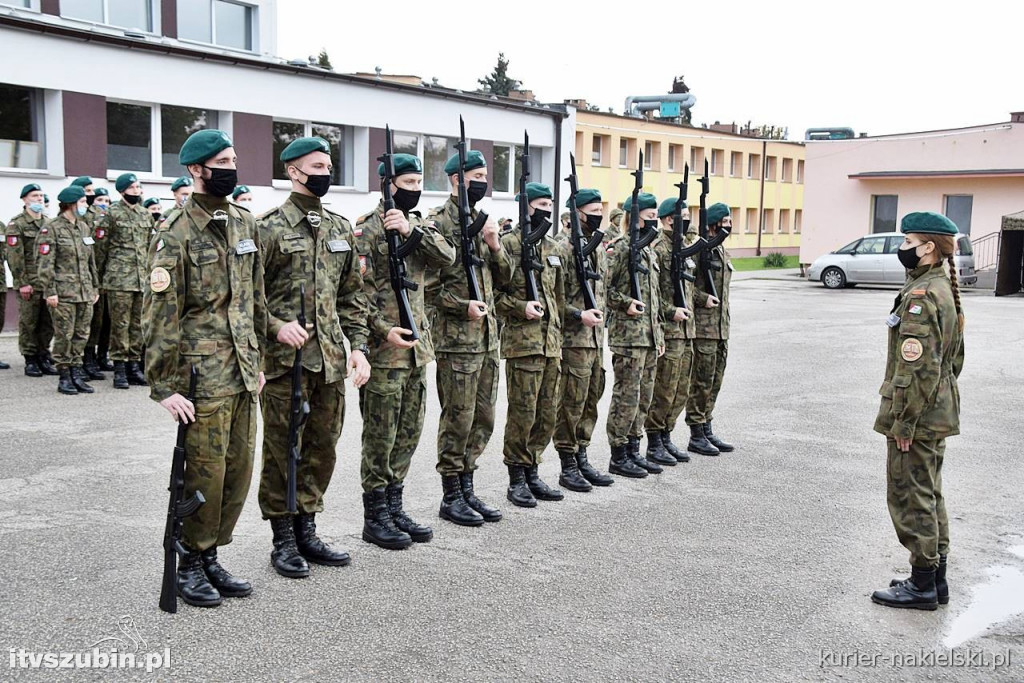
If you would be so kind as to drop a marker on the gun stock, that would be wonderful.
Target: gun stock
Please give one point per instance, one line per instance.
(398, 249)
(468, 230)
(581, 248)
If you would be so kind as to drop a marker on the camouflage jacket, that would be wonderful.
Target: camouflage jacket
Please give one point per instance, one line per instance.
(204, 303)
(128, 231)
(713, 323)
(3, 260)
(305, 243)
(920, 398)
(22, 232)
(66, 265)
(94, 219)
(522, 337)
(448, 293)
(432, 254)
(644, 330)
(575, 334)
(663, 251)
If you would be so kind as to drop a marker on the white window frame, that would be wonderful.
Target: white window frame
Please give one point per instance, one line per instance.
(419, 153)
(40, 126)
(732, 171)
(33, 5)
(154, 15)
(626, 141)
(600, 152)
(512, 180)
(156, 140)
(254, 36)
(307, 131)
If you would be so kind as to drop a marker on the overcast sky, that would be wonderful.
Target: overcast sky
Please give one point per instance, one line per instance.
(875, 66)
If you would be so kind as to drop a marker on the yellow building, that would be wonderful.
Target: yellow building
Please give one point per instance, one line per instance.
(756, 178)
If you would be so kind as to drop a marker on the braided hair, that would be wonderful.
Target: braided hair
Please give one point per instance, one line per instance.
(946, 247)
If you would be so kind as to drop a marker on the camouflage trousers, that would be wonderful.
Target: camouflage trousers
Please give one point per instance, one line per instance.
(709, 357)
(532, 384)
(218, 462)
(635, 371)
(582, 387)
(916, 504)
(467, 386)
(70, 332)
(672, 386)
(99, 330)
(318, 442)
(125, 325)
(35, 325)
(392, 404)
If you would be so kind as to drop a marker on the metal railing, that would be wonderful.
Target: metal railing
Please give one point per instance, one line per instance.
(986, 251)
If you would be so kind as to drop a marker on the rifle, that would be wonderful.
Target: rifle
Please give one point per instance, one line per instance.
(707, 263)
(530, 237)
(581, 249)
(638, 241)
(397, 248)
(177, 511)
(680, 252)
(299, 412)
(468, 231)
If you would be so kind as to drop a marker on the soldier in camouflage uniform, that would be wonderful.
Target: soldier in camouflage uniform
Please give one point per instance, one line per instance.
(465, 336)
(921, 406)
(305, 244)
(97, 349)
(614, 230)
(583, 374)
(711, 344)
(128, 227)
(92, 369)
(181, 189)
(531, 343)
(35, 327)
(672, 386)
(152, 205)
(393, 402)
(3, 285)
(68, 279)
(205, 307)
(636, 341)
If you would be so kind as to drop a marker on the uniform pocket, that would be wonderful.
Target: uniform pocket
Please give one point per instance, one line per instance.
(527, 364)
(908, 329)
(197, 347)
(706, 346)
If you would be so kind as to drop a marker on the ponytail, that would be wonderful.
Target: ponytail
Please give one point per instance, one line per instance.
(956, 291)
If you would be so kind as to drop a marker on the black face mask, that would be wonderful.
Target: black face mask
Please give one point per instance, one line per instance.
(406, 200)
(477, 190)
(157, 216)
(317, 184)
(653, 223)
(89, 199)
(132, 199)
(540, 218)
(222, 181)
(594, 221)
(909, 258)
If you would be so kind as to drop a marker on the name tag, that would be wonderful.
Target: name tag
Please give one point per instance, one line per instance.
(292, 236)
(893, 320)
(335, 246)
(690, 265)
(89, 241)
(245, 247)
(201, 246)
(555, 261)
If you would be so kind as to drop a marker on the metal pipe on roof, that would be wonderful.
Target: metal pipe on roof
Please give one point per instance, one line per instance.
(686, 100)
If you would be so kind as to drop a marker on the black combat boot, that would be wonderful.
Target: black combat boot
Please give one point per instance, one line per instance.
(589, 472)
(571, 477)
(699, 442)
(715, 441)
(91, 368)
(120, 378)
(65, 385)
(135, 376)
(941, 587)
(32, 367)
(4, 366)
(622, 465)
(193, 585)
(419, 533)
(377, 525)
(656, 450)
(103, 360)
(454, 507)
(313, 548)
(538, 488)
(46, 364)
(488, 512)
(917, 592)
(672, 449)
(633, 447)
(519, 493)
(285, 557)
(79, 379)
(221, 579)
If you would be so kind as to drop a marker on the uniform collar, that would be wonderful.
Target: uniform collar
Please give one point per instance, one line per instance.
(197, 209)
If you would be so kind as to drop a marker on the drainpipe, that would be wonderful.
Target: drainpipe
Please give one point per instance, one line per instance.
(760, 206)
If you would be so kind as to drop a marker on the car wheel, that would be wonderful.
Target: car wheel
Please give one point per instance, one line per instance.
(833, 278)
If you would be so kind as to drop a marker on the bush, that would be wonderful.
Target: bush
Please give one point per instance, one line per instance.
(775, 260)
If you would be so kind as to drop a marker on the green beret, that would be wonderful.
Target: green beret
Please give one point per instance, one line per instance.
(31, 187)
(102, 192)
(202, 145)
(584, 197)
(183, 181)
(404, 163)
(240, 190)
(303, 146)
(124, 181)
(646, 199)
(82, 181)
(928, 222)
(716, 212)
(46, 198)
(70, 195)
(150, 202)
(667, 207)
(474, 160)
(536, 191)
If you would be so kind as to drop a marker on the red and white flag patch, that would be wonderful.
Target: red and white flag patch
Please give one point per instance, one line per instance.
(44, 249)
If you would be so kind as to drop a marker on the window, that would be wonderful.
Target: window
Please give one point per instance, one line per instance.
(872, 245)
(340, 138)
(27, 4)
(599, 150)
(798, 220)
(754, 166)
(137, 14)
(849, 248)
(883, 212)
(769, 169)
(800, 171)
(958, 209)
(176, 124)
(735, 164)
(675, 155)
(783, 221)
(228, 24)
(787, 170)
(129, 137)
(751, 226)
(579, 145)
(501, 173)
(406, 144)
(697, 160)
(623, 152)
(892, 244)
(21, 127)
(717, 162)
(769, 221)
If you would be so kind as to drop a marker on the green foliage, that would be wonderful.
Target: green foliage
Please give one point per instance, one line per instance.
(775, 259)
(324, 60)
(499, 82)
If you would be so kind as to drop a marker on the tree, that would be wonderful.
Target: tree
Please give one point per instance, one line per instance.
(324, 60)
(499, 82)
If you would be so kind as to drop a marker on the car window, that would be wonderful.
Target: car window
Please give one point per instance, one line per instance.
(848, 249)
(966, 249)
(892, 244)
(871, 245)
